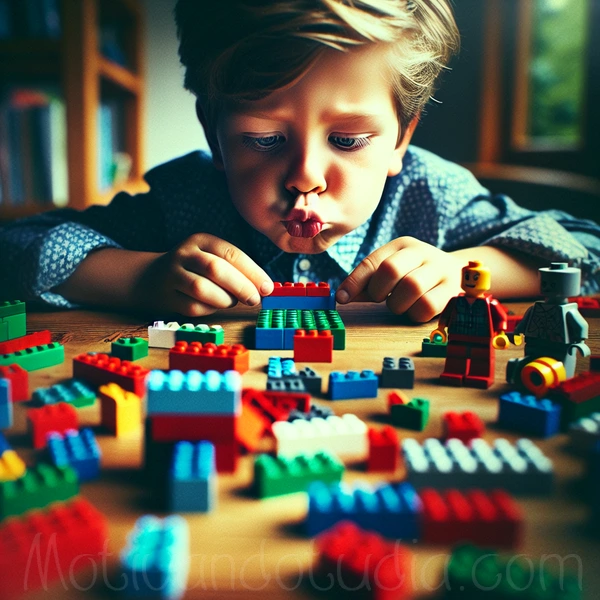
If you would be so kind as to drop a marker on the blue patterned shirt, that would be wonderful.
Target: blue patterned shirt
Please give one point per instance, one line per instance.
(433, 200)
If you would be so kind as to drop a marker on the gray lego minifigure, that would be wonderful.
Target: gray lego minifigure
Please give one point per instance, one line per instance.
(553, 327)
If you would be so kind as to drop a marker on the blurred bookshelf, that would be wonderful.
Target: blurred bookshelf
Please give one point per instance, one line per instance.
(71, 103)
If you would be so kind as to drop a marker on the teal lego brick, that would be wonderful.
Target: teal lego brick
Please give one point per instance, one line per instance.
(73, 391)
(16, 326)
(38, 357)
(200, 333)
(276, 476)
(11, 307)
(40, 486)
(129, 348)
(76, 449)
(436, 349)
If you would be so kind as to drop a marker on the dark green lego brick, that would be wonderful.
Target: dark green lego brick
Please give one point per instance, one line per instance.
(200, 333)
(16, 326)
(40, 486)
(129, 348)
(330, 319)
(413, 415)
(573, 411)
(11, 307)
(38, 357)
(435, 349)
(276, 476)
(3, 331)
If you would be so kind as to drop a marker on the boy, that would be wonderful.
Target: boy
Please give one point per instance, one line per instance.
(309, 108)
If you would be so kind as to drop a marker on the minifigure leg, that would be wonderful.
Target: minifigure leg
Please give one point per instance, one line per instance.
(456, 365)
(481, 370)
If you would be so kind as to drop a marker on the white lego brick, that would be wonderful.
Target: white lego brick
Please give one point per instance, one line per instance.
(161, 335)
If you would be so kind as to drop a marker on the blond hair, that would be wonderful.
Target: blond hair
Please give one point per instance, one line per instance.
(242, 50)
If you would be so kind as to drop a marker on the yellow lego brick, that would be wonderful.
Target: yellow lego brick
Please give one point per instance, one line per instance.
(121, 410)
(12, 466)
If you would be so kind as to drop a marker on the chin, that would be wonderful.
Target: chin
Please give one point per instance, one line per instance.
(298, 245)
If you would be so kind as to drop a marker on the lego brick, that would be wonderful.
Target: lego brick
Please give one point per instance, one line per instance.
(194, 393)
(98, 369)
(294, 386)
(269, 330)
(313, 346)
(384, 450)
(38, 338)
(299, 296)
(287, 289)
(285, 369)
(12, 466)
(397, 373)
(393, 510)
(350, 558)
(193, 428)
(11, 307)
(281, 368)
(55, 417)
(595, 362)
(345, 436)
(584, 433)
(475, 516)
(251, 427)
(258, 400)
(129, 348)
(16, 326)
(19, 379)
(4, 445)
(162, 335)
(435, 348)
(511, 322)
(318, 289)
(156, 560)
(66, 532)
(580, 388)
(39, 486)
(39, 357)
(194, 356)
(521, 468)
(588, 307)
(331, 320)
(409, 414)
(193, 478)
(3, 331)
(6, 405)
(352, 385)
(76, 449)
(315, 412)
(277, 476)
(526, 414)
(120, 410)
(464, 426)
(73, 391)
(214, 334)
(288, 400)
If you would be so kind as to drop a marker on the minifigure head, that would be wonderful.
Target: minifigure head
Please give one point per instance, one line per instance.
(558, 282)
(309, 106)
(476, 279)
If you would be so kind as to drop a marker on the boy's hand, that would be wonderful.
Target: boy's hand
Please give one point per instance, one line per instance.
(411, 276)
(203, 274)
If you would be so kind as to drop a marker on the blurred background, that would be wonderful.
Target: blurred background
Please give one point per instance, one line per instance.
(92, 98)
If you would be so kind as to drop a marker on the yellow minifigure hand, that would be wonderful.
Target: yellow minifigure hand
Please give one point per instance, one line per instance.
(438, 335)
(500, 341)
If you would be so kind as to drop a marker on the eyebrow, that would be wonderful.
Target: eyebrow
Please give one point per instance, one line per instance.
(329, 116)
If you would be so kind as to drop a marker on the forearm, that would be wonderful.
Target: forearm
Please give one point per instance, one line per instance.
(514, 275)
(108, 277)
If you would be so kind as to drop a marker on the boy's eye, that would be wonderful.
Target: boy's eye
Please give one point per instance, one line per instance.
(262, 144)
(349, 143)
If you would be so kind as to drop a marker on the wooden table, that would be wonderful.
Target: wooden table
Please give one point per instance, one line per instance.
(254, 548)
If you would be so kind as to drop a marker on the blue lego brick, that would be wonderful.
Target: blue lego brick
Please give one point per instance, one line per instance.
(193, 478)
(6, 405)
(393, 510)
(77, 449)
(156, 560)
(279, 368)
(526, 414)
(300, 302)
(193, 392)
(269, 330)
(350, 385)
(397, 373)
(4, 445)
(73, 391)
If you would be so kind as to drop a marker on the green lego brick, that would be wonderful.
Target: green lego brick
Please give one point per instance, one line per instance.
(200, 333)
(435, 349)
(3, 331)
(276, 476)
(40, 486)
(129, 348)
(38, 357)
(573, 411)
(17, 325)
(330, 319)
(413, 415)
(11, 307)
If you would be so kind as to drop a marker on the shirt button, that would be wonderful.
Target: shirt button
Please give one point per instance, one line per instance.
(303, 279)
(304, 264)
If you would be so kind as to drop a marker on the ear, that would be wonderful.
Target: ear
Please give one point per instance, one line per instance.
(210, 137)
(395, 165)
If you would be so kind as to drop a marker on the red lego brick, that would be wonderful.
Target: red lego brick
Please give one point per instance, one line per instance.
(53, 417)
(205, 357)
(397, 397)
(226, 456)
(486, 518)
(38, 338)
(364, 562)
(313, 346)
(288, 289)
(98, 369)
(289, 401)
(193, 428)
(580, 388)
(588, 307)
(19, 379)
(252, 425)
(59, 537)
(463, 426)
(511, 322)
(320, 289)
(264, 406)
(384, 449)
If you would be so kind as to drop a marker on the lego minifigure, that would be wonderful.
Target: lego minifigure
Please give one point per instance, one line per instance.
(553, 327)
(476, 323)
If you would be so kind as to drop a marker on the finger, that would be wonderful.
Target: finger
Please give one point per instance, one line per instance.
(203, 290)
(430, 304)
(190, 307)
(412, 287)
(392, 271)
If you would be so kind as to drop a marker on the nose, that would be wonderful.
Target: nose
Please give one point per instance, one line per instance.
(306, 172)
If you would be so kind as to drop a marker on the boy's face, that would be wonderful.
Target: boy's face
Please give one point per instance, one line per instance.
(307, 164)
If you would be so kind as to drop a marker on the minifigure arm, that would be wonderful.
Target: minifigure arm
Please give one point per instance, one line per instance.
(578, 330)
(443, 320)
